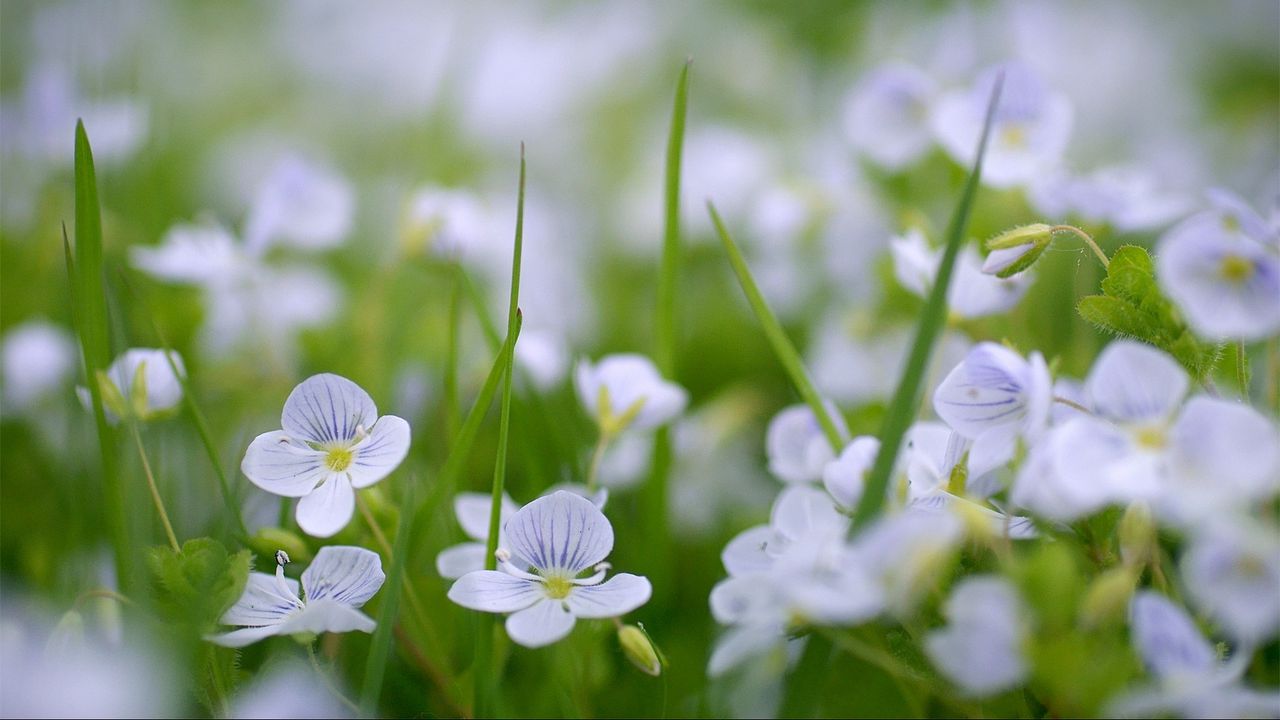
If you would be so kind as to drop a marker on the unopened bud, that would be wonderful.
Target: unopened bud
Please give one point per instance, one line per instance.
(1137, 533)
(1108, 597)
(1013, 251)
(640, 650)
(274, 541)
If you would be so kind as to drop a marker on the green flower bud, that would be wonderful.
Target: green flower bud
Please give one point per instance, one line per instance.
(640, 650)
(268, 540)
(112, 399)
(1013, 251)
(1108, 597)
(1137, 534)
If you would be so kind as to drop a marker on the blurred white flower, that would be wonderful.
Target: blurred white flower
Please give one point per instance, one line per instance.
(338, 582)
(996, 391)
(472, 510)
(1028, 133)
(1128, 198)
(971, 294)
(626, 462)
(37, 359)
(1190, 681)
(1231, 571)
(855, 366)
(449, 223)
(902, 554)
(1222, 268)
(846, 476)
(886, 116)
(300, 204)
(796, 445)
(332, 443)
(288, 691)
(626, 392)
(560, 536)
(544, 356)
(141, 385)
(980, 650)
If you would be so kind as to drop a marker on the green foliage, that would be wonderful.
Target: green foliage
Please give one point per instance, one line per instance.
(1132, 305)
(195, 586)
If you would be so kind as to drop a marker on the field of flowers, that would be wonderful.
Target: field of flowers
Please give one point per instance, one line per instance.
(627, 359)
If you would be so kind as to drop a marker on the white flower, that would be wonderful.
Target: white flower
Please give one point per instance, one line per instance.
(142, 385)
(340, 580)
(886, 116)
(332, 441)
(971, 294)
(1028, 134)
(903, 553)
(301, 204)
(1128, 198)
(37, 358)
(451, 224)
(981, 649)
(796, 445)
(846, 476)
(472, 510)
(560, 536)
(1231, 572)
(1222, 268)
(544, 357)
(625, 392)
(1190, 681)
(290, 690)
(995, 390)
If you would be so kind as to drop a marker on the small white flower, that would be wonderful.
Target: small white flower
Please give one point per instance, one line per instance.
(332, 441)
(142, 385)
(796, 445)
(37, 358)
(340, 580)
(544, 356)
(561, 536)
(1222, 268)
(625, 392)
(290, 690)
(301, 204)
(1129, 199)
(1231, 571)
(902, 554)
(981, 649)
(451, 224)
(996, 390)
(472, 510)
(887, 115)
(1028, 134)
(972, 292)
(846, 476)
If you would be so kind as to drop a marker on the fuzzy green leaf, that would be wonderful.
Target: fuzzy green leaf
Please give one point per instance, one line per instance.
(198, 584)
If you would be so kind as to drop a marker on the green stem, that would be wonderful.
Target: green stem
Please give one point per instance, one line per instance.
(380, 647)
(155, 491)
(1088, 241)
(597, 455)
(782, 347)
(1242, 371)
(451, 404)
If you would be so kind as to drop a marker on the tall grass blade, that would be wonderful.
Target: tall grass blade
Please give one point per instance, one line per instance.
(380, 646)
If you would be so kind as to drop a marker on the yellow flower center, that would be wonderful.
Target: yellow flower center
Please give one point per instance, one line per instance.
(338, 459)
(558, 586)
(1014, 135)
(1151, 437)
(1235, 269)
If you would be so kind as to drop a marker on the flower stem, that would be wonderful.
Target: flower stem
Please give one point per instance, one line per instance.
(155, 492)
(597, 455)
(328, 681)
(1088, 240)
(1072, 404)
(1242, 371)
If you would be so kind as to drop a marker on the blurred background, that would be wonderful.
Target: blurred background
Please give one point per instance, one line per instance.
(289, 187)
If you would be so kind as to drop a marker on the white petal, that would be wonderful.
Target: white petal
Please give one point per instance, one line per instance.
(472, 510)
(542, 624)
(327, 615)
(327, 408)
(380, 453)
(263, 603)
(244, 636)
(328, 508)
(740, 644)
(615, 597)
(493, 591)
(189, 254)
(844, 477)
(282, 466)
(797, 447)
(801, 510)
(748, 551)
(987, 390)
(1165, 636)
(454, 562)
(346, 574)
(1133, 382)
(1227, 446)
(561, 531)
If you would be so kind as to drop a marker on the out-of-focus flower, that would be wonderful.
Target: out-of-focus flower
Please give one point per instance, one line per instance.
(1222, 268)
(796, 445)
(332, 443)
(288, 691)
(37, 358)
(1127, 198)
(981, 648)
(626, 392)
(560, 536)
(337, 583)
(855, 366)
(472, 510)
(544, 357)
(972, 292)
(845, 476)
(300, 204)
(1231, 571)
(1190, 681)
(139, 384)
(1028, 134)
(886, 117)
(448, 223)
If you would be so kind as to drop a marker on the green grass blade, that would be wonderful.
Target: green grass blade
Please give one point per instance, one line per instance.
(486, 673)
(89, 302)
(782, 347)
(451, 405)
(906, 399)
(380, 646)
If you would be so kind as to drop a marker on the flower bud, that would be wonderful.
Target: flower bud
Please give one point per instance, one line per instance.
(270, 540)
(1013, 251)
(1137, 534)
(1108, 596)
(639, 649)
(67, 635)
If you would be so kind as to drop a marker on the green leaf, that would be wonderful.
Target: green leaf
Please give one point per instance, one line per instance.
(1131, 305)
(195, 586)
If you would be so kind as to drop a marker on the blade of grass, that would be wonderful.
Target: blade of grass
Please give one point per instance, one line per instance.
(89, 303)
(665, 333)
(451, 411)
(380, 646)
(782, 347)
(486, 675)
(906, 399)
